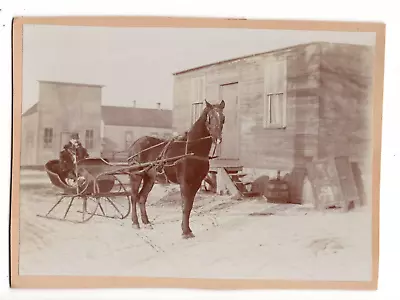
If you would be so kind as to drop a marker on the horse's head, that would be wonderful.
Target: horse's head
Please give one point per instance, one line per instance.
(215, 120)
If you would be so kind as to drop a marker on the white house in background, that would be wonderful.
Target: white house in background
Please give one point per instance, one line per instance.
(64, 108)
(120, 126)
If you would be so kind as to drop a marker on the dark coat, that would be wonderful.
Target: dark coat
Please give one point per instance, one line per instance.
(67, 166)
(81, 152)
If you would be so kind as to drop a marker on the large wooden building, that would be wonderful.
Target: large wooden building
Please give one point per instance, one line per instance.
(285, 107)
(65, 108)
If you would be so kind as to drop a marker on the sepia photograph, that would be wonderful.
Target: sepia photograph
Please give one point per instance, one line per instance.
(214, 153)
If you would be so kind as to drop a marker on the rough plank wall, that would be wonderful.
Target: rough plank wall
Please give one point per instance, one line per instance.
(260, 147)
(346, 103)
(281, 148)
(303, 101)
(182, 99)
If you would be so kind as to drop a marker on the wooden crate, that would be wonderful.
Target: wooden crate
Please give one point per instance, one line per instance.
(333, 183)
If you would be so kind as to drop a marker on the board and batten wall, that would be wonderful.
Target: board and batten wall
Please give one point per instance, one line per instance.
(327, 104)
(262, 147)
(67, 108)
(280, 148)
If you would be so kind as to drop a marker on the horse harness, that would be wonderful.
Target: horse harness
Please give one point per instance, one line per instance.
(160, 162)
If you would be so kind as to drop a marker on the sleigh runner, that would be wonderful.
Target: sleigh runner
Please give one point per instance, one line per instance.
(102, 186)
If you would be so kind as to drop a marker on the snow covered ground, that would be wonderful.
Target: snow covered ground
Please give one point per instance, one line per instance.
(234, 239)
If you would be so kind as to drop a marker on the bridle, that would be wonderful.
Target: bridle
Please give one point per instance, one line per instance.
(208, 119)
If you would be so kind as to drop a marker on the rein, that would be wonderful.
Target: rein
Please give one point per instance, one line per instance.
(160, 161)
(167, 143)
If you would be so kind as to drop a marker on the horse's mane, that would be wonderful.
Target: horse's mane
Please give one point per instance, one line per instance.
(181, 138)
(201, 119)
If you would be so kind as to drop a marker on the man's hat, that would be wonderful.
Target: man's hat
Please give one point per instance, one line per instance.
(75, 136)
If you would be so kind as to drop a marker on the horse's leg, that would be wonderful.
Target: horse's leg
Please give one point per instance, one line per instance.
(188, 193)
(135, 185)
(148, 183)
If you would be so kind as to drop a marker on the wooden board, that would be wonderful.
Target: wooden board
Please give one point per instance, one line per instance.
(296, 184)
(346, 179)
(326, 184)
(225, 184)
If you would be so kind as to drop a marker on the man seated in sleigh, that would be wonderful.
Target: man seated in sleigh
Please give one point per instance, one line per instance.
(71, 154)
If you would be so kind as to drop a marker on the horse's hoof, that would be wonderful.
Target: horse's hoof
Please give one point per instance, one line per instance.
(187, 235)
(148, 226)
(135, 226)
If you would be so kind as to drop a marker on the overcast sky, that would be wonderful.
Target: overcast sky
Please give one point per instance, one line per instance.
(137, 63)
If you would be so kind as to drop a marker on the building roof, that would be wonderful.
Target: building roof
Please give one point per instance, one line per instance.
(245, 56)
(128, 116)
(136, 117)
(31, 110)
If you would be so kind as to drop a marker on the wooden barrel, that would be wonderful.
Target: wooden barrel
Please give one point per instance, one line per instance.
(277, 191)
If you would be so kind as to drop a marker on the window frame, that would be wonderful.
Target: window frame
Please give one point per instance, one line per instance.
(193, 117)
(271, 90)
(267, 118)
(89, 138)
(48, 138)
(198, 96)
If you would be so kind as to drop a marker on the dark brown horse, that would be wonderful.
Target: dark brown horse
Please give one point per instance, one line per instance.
(188, 172)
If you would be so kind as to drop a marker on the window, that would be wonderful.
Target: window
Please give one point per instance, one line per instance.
(275, 94)
(48, 138)
(198, 97)
(89, 140)
(128, 139)
(274, 111)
